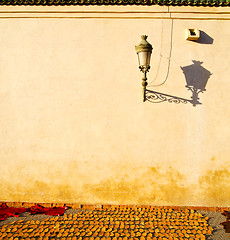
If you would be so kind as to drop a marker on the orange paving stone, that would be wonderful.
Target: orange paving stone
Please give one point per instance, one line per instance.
(117, 223)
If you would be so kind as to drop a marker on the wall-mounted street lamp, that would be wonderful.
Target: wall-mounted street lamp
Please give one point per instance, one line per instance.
(144, 50)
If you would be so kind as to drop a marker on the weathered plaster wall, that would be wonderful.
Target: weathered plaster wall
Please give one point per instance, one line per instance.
(73, 125)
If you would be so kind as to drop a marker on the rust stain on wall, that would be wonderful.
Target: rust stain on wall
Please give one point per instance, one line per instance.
(213, 158)
(39, 191)
(122, 185)
(215, 187)
(150, 187)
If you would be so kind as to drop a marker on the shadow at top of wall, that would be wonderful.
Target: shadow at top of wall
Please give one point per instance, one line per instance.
(196, 77)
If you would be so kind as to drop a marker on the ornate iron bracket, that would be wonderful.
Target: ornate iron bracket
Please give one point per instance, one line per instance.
(156, 97)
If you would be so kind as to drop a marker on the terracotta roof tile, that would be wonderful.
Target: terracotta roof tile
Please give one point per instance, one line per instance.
(210, 3)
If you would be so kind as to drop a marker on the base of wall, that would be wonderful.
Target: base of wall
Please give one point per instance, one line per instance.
(108, 206)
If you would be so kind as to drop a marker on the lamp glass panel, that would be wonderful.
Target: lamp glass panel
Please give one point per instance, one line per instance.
(144, 58)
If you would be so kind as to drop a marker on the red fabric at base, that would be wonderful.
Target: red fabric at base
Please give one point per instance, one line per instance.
(53, 211)
(6, 212)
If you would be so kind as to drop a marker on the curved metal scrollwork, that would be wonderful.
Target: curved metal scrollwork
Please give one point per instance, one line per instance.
(156, 97)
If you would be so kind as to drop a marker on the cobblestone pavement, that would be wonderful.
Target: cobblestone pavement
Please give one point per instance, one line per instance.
(112, 224)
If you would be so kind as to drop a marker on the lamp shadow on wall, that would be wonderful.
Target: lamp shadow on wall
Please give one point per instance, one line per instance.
(196, 77)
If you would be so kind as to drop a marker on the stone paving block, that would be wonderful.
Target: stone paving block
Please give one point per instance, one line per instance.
(17, 204)
(221, 209)
(68, 205)
(90, 207)
(9, 204)
(47, 205)
(76, 206)
(58, 205)
(225, 209)
(106, 206)
(27, 205)
(176, 208)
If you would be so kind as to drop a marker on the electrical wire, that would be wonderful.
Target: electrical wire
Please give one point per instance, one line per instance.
(169, 58)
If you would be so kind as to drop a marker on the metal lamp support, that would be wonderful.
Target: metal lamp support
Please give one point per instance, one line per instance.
(144, 84)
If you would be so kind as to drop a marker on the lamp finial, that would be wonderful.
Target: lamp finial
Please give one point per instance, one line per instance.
(144, 37)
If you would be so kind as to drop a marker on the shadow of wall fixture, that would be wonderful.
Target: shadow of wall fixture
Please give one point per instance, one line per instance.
(192, 34)
(144, 51)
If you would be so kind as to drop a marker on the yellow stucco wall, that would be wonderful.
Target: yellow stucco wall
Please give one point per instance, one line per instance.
(73, 127)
